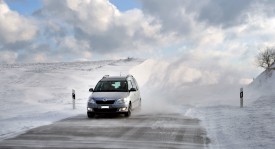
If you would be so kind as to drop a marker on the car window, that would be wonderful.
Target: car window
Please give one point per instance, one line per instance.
(111, 86)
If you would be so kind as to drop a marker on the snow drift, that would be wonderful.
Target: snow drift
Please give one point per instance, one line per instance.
(180, 82)
(248, 127)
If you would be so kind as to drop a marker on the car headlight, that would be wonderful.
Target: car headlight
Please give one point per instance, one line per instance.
(91, 100)
(122, 101)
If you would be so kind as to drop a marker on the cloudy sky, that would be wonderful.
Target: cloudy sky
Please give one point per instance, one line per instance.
(221, 32)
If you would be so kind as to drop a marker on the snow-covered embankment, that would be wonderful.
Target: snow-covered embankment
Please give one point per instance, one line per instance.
(230, 126)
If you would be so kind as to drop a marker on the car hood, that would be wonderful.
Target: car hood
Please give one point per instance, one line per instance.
(109, 95)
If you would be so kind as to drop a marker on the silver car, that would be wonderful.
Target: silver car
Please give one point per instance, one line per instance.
(114, 94)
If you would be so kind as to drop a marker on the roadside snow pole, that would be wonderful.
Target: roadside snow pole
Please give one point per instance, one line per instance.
(73, 98)
(241, 97)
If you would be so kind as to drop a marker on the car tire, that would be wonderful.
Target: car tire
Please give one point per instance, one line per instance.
(128, 114)
(90, 115)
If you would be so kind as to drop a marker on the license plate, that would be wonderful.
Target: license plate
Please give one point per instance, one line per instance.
(104, 107)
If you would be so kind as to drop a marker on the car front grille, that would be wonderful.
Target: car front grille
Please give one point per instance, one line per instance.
(105, 102)
(113, 110)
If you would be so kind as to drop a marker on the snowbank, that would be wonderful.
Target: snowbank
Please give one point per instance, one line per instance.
(248, 127)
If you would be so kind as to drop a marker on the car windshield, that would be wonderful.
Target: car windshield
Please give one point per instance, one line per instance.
(111, 86)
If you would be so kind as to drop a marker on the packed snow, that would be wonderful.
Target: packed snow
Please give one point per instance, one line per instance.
(38, 94)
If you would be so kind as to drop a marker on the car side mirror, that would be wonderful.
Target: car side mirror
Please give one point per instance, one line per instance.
(91, 90)
(133, 90)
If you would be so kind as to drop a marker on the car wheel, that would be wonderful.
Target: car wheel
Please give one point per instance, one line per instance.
(90, 115)
(128, 114)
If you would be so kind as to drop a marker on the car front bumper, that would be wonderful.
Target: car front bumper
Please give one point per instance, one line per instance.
(113, 108)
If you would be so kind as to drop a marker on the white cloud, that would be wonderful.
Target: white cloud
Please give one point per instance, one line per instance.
(98, 20)
(103, 26)
(8, 57)
(40, 58)
(14, 27)
(72, 44)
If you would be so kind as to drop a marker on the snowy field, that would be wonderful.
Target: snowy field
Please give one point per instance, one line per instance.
(251, 127)
(32, 95)
(231, 127)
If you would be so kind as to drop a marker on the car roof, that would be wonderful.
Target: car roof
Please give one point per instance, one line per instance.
(115, 78)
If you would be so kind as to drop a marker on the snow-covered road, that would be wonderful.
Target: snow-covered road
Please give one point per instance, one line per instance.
(138, 131)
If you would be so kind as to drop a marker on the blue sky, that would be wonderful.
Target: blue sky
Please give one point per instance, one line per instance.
(24, 7)
(124, 5)
(27, 7)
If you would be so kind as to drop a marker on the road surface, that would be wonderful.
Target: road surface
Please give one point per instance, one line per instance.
(138, 131)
